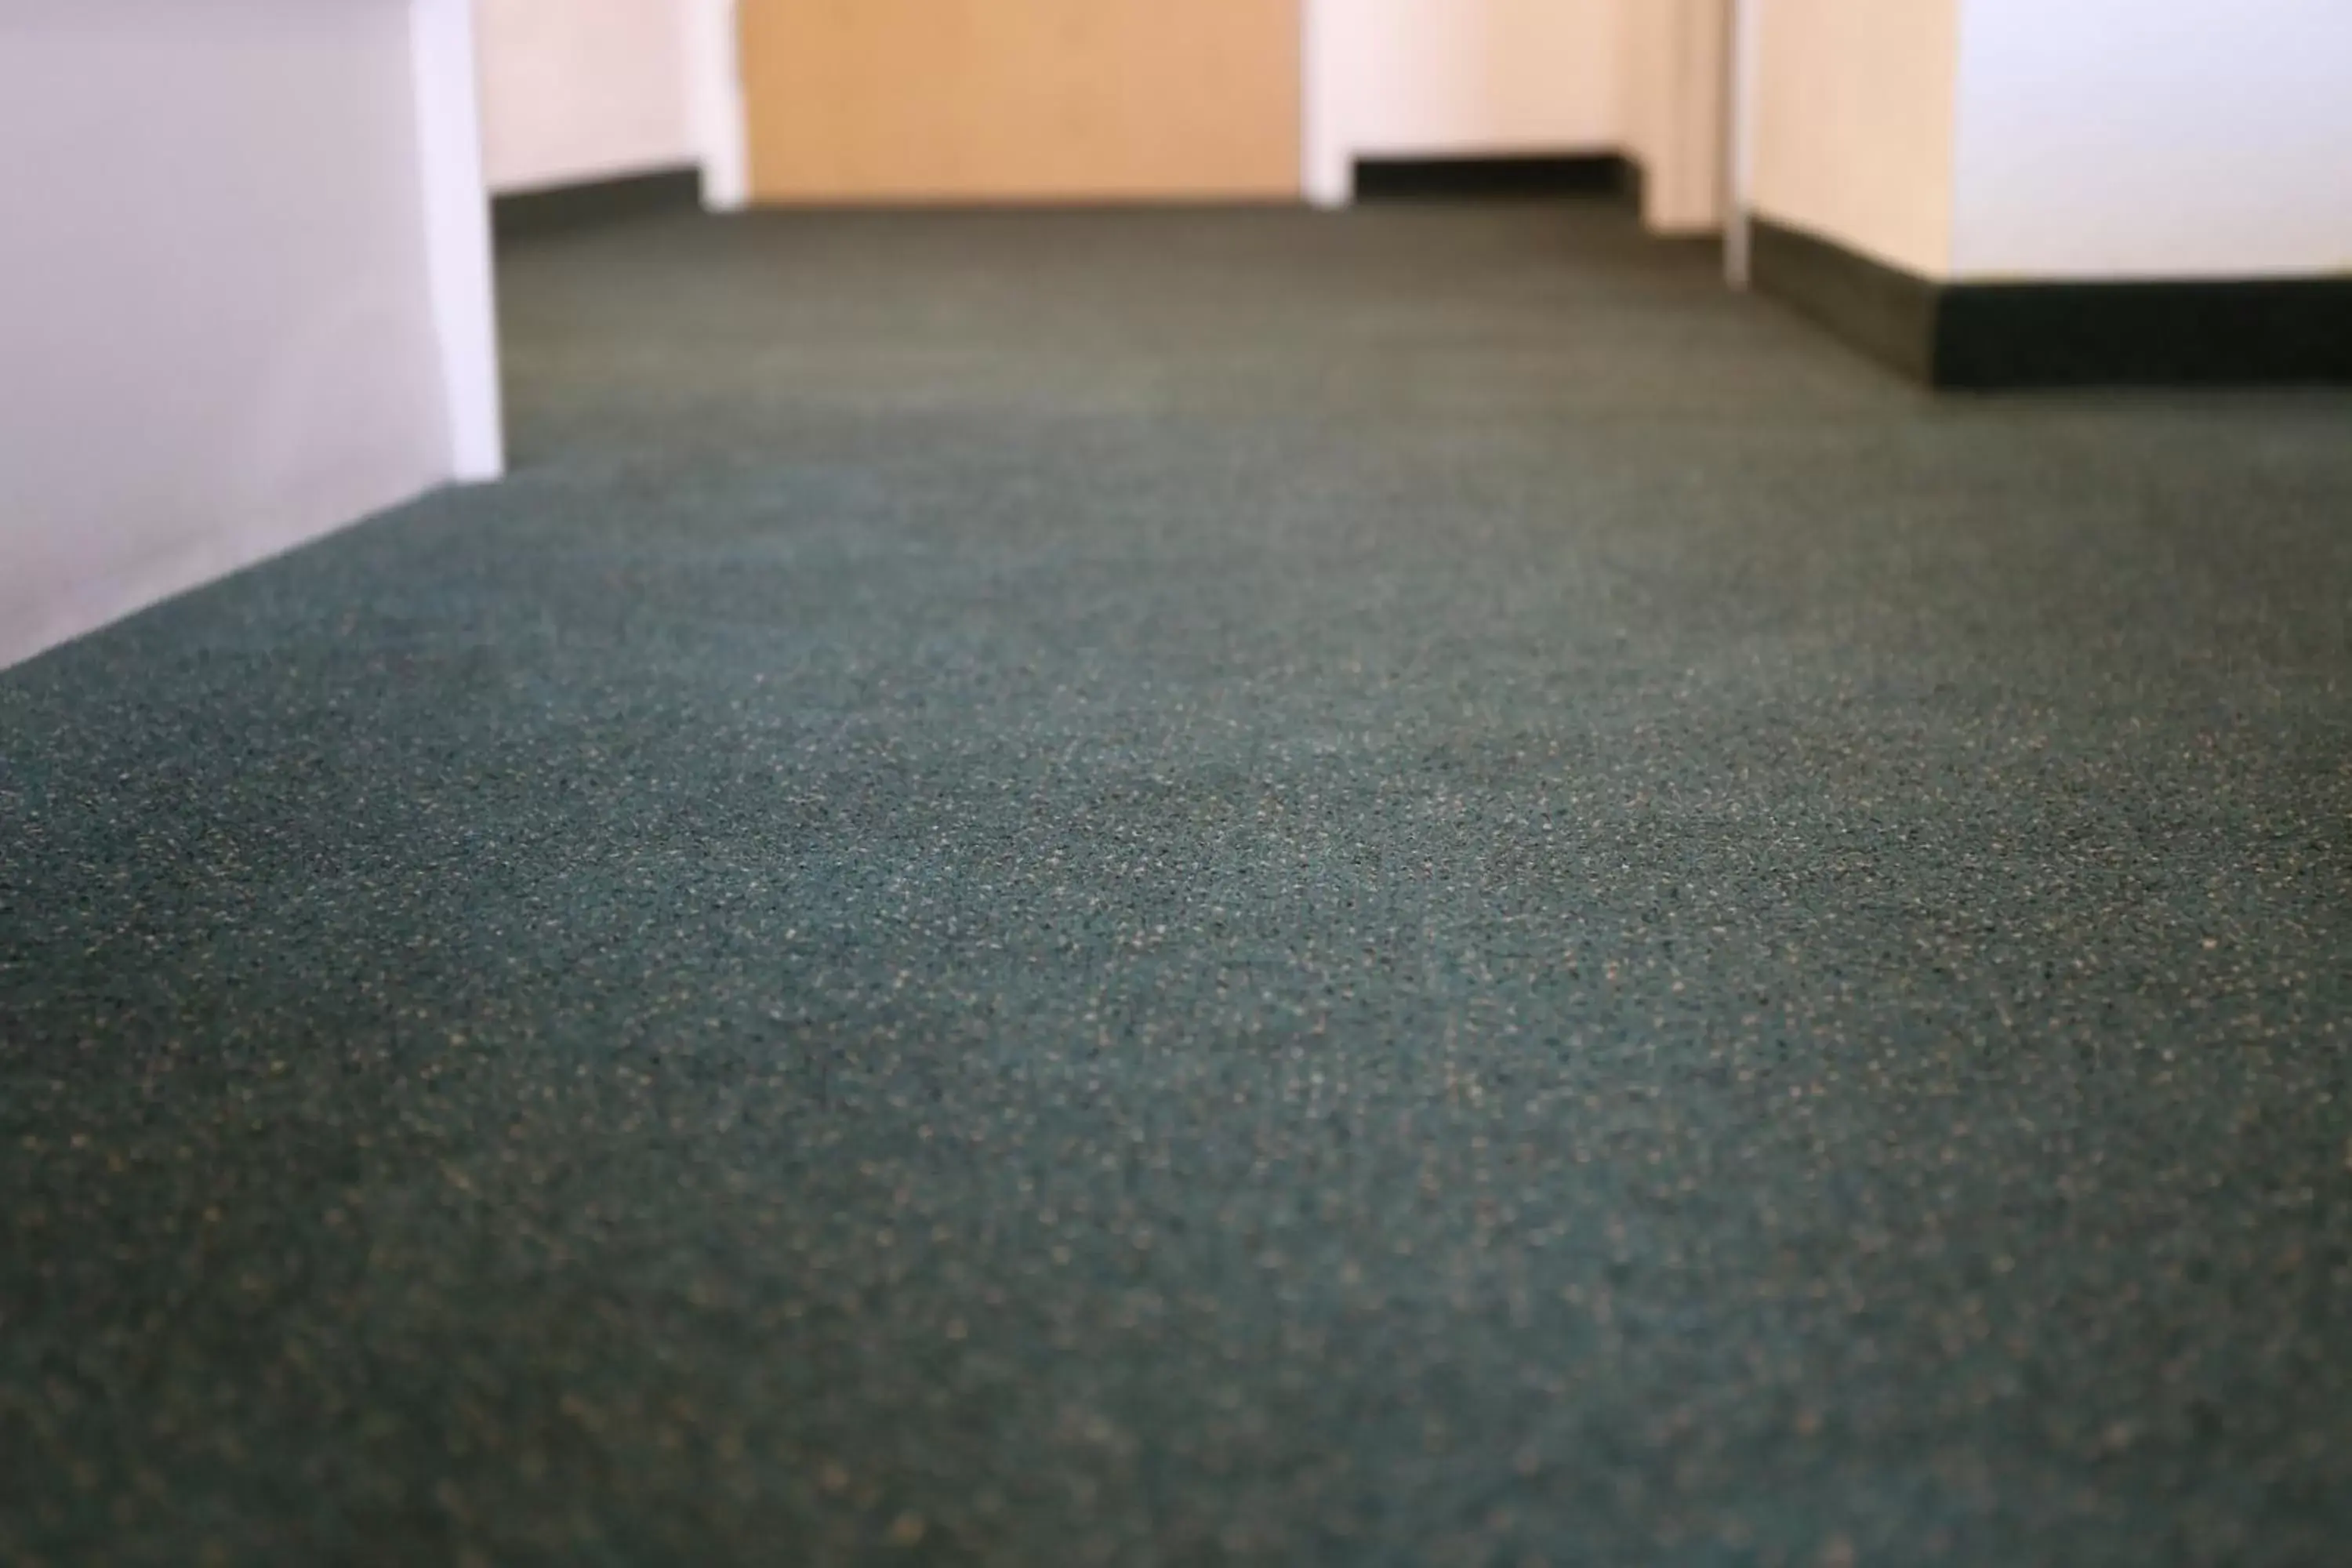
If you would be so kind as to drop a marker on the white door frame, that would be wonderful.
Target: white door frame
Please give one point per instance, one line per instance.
(714, 97)
(1747, 48)
(456, 218)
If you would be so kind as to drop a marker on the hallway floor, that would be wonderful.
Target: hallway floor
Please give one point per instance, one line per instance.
(1169, 887)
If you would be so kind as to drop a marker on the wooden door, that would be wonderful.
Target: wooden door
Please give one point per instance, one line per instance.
(1022, 100)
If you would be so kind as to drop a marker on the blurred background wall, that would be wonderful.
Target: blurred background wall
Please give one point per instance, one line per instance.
(895, 100)
(583, 89)
(1458, 78)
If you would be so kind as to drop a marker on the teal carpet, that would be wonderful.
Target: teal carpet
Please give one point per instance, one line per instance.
(1198, 888)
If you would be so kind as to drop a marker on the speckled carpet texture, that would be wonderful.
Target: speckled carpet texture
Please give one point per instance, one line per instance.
(1191, 887)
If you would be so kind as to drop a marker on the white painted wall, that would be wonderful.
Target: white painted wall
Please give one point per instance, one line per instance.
(587, 89)
(2154, 138)
(244, 291)
(1457, 77)
(1852, 129)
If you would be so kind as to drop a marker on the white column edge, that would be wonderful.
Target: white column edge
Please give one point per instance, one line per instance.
(715, 99)
(456, 214)
(1326, 174)
(1739, 217)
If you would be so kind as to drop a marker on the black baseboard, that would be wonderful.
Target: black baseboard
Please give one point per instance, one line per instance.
(1483, 179)
(563, 208)
(1634, 184)
(1886, 313)
(2256, 331)
(2000, 336)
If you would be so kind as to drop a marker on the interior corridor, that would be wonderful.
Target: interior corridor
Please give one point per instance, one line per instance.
(1172, 887)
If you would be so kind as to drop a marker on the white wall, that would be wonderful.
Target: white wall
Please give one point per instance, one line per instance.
(1852, 136)
(243, 294)
(1452, 78)
(2154, 138)
(586, 89)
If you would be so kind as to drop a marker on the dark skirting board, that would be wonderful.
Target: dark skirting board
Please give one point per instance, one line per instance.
(1997, 336)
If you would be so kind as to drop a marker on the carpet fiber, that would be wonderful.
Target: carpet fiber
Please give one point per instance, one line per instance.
(1167, 888)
